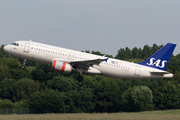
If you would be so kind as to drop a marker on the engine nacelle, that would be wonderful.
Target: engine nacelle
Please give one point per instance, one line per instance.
(61, 67)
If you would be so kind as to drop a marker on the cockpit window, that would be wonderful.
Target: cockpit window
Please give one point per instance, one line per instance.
(16, 44)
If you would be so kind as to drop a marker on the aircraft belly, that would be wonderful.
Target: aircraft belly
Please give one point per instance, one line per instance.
(92, 71)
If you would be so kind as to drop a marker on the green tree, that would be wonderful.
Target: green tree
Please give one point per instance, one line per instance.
(6, 103)
(63, 84)
(155, 48)
(167, 96)
(2, 53)
(4, 71)
(109, 56)
(39, 74)
(124, 54)
(24, 87)
(88, 82)
(11, 68)
(22, 104)
(178, 56)
(135, 52)
(87, 104)
(128, 53)
(86, 51)
(48, 101)
(43, 72)
(121, 54)
(146, 52)
(97, 53)
(173, 65)
(73, 102)
(106, 95)
(138, 98)
(176, 77)
(6, 91)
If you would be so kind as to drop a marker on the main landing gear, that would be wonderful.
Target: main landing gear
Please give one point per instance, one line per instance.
(80, 78)
(24, 63)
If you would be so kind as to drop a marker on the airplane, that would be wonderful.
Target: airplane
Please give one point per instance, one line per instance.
(66, 61)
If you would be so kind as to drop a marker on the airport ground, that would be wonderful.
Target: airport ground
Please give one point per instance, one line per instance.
(147, 115)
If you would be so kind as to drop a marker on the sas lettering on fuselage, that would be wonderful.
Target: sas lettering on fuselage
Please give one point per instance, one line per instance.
(155, 62)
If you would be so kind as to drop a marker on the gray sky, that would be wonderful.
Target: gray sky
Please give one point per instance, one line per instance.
(100, 25)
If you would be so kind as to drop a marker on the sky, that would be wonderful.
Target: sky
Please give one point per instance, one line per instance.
(99, 25)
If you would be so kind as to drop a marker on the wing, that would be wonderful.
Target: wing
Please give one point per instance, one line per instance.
(88, 63)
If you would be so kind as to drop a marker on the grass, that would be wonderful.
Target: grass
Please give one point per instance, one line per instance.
(148, 115)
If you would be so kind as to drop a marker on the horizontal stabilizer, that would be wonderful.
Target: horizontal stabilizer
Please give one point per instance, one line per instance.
(160, 73)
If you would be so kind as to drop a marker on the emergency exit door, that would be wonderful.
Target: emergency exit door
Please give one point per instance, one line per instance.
(137, 70)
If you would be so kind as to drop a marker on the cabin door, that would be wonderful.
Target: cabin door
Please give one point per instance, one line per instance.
(26, 47)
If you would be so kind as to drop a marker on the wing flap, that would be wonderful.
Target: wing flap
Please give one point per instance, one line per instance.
(88, 63)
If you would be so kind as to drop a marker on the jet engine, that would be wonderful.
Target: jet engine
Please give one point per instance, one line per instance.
(61, 67)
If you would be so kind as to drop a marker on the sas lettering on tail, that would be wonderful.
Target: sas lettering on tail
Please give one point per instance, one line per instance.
(155, 62)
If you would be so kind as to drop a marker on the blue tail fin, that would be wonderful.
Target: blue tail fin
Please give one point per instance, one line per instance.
(160, 59)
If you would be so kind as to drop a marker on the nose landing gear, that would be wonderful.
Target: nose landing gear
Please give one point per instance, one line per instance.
(24, 63)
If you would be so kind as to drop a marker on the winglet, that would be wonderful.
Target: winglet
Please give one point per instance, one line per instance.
(160, 59)
(106, 59)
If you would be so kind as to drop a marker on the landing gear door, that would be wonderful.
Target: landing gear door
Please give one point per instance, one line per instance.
(26, 47)
(137, 70)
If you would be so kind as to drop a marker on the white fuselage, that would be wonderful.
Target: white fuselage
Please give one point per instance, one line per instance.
(114, 68)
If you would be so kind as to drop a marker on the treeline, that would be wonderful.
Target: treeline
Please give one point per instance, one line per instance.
(37, 86)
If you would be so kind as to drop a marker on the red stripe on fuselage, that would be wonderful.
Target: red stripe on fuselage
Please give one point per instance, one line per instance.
(63, 67)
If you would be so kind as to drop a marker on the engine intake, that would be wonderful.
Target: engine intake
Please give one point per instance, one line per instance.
(61, 67)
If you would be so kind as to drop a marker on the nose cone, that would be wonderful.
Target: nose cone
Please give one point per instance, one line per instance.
(6, 49)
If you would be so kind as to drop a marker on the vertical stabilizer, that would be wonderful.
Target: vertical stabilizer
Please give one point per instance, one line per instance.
(160, 59)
